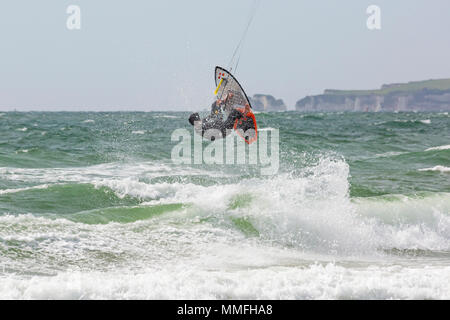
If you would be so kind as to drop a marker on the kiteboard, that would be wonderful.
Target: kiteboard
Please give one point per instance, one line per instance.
(226, 83)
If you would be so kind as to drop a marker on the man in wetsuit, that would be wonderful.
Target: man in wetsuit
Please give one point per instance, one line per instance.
(213, 127)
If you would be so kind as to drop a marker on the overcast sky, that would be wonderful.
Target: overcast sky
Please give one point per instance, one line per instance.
(160, 55)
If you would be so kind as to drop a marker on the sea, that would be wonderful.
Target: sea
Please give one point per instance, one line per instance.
(92, 206)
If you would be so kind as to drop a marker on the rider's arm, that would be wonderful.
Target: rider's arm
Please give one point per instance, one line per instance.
(247, 108)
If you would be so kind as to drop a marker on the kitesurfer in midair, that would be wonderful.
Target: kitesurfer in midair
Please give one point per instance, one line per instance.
(213, 127)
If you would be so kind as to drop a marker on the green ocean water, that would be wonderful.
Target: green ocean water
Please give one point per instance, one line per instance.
(92, 206)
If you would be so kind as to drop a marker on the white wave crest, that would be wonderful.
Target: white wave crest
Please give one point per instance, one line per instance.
(6, 191)
(445, 147)
(165, 116)
(317, 281)
(311, 210)
(437, 168)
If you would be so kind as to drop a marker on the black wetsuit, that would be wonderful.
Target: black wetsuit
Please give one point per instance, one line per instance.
(213, 127)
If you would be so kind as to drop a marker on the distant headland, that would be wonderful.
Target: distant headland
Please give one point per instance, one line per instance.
(428, 95)
(266, 102)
